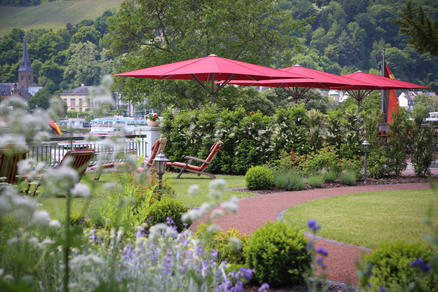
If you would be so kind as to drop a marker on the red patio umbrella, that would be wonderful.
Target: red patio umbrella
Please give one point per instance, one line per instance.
(382, 82)
(211, 68)
(316, 79)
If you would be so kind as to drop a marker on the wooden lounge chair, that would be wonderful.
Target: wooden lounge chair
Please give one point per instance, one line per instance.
(198, 169)
(9, 165)
(157, 148)
(80, 159)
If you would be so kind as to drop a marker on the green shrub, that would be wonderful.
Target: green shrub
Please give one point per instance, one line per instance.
(316, 181)
(330, 176)
(259, 178)
(227, 250)
(325, 158)
(278, 254)
(166, 208)
(348, 177)
(421, 143)
(391, 266)
(397, 142)
(289, 181)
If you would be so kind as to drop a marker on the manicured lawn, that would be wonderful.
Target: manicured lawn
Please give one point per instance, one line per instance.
(56, 206)
(182, 185)
(369, 219)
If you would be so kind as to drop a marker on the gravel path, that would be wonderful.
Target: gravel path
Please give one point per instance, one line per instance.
(256, 211)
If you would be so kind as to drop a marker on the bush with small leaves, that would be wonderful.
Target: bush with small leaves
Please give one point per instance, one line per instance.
(259, 178)
(394, 266)
(165, 209)
(278, 254)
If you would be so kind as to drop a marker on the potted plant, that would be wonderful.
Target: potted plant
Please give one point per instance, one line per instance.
(153, 120)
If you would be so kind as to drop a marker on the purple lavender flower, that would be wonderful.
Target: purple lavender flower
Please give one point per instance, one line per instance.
(247, 273)
(420, 264)
(311, 224)
(382, 289)
(322, 251)
(263, 287)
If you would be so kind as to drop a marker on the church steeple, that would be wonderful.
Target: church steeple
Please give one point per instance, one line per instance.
(25, 64)
(25, 72)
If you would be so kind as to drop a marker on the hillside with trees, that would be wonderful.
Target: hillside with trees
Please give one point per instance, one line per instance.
(335, 36)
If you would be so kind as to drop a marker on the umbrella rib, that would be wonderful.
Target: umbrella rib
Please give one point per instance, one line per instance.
(202, 84)
(220, 86)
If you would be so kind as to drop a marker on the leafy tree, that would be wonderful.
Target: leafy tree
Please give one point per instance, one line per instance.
(423, 32)
(85, 65)
(86, 33)
(429, 103)
(42, 97)
(246, 30)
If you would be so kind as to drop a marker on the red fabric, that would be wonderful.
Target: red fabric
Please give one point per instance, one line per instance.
(392, 100)
(382, 82)
(55, 127)
(210, 68)
(181, 165)
(154, 152)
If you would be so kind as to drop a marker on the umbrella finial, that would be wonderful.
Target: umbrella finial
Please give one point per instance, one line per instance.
(297, 65)
(212, 55)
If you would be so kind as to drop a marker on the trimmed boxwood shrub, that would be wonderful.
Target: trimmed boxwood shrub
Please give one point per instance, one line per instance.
(278, 254)
(392, 266)
(259, 178)
(166, 208)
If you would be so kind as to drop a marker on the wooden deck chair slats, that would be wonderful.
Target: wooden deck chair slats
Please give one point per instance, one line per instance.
(80, 159)
(157, 148)
(204, 163)
(9, 165)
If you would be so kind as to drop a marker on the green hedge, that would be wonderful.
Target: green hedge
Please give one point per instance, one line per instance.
(249, 138)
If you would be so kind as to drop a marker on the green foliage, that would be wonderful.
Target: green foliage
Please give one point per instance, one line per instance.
(248, 31)
(160, 211)
(224, 242)
(391, 266)
(397, 143)
(330, 176)
(421, 143)
(259, 178)
(422, 30)
(289, 180)
(279, 255)
(316, 181)
(348, 177)
(325, 158)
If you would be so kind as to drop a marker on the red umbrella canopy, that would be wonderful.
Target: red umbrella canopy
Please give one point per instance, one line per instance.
(316, 79)
(383, 82)
(210, 68)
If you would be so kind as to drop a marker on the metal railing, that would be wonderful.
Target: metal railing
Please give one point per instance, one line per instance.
(53, 151)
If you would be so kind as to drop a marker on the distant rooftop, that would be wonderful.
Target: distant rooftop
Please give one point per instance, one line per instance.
(81, 90)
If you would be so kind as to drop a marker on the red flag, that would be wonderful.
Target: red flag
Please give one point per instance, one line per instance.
(392, 99)
(55, 127)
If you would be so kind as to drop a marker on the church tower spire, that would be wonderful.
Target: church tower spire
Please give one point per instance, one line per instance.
(25, 72)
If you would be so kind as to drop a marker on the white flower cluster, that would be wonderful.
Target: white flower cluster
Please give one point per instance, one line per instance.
(23, 209)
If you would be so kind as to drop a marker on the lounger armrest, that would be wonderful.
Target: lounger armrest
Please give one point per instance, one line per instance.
(196, 159)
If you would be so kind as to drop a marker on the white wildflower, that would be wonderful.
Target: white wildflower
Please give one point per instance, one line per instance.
(5, 204)
(41, 217)
(205, 208)
(34, 241)
(191, 215)
(215, 194)
(218, 184)
(217, 213)
(54, 223)
(8, 277)
(13, 240)
(212, 228)
(193, 190)
(161, 230)
(235, 243)
(231, 205)
(24, 202)
(80, 190)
